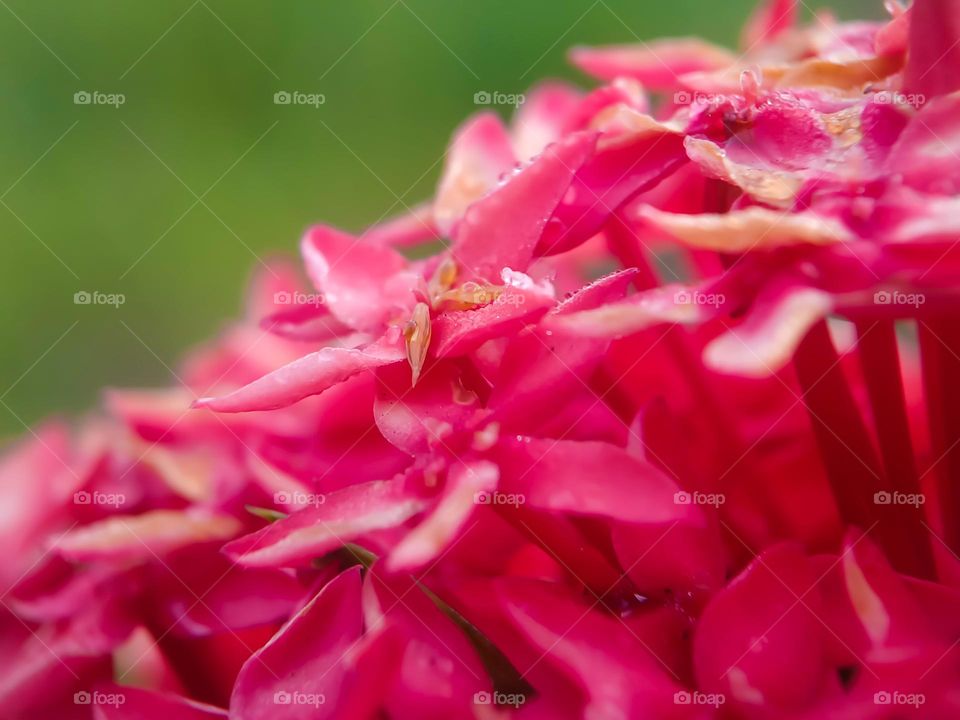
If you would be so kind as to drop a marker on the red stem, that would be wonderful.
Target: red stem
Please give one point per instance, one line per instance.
(847, 450)
(880, 361)
(940, 354)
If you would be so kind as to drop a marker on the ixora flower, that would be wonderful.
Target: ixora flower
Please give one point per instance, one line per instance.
(664, 421)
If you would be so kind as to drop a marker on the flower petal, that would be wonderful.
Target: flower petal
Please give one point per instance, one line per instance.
(543, 118)
(658, 64)
(457, 333)
(769, 20)
(309, 375)
(146, 536)
(934, 48)
(754, 228)
(354, 276)
(766, 340)
(299, 674)
(342, 516)
(476, 159)
(458, 502)
(755, 642)
(502, 229)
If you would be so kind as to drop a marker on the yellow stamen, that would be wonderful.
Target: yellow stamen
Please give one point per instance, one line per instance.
(417, 333)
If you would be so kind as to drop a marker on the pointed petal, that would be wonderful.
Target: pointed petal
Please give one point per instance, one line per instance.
(607, 661)
(146, 536)
(543, 118)
(503, 228)
(342, 516)
(353, 275)
(756, 643)
(479, 155)
(657, 64)
(299, 674)
(555, 476)
(412, 228)
(754, 228)
(770, 19)
(766, 340)
(669, 304)
(628, 161)
(414, 419)
(459, 501)
(309, 375)
(457, 333)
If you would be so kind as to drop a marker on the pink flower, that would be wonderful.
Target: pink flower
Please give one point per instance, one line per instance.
(666, 428)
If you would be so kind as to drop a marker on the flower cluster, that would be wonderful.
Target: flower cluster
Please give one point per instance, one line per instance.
(652, 411)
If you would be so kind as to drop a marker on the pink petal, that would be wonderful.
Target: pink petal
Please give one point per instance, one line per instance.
(755, 228)
(769, 186)
(415, 419)
(622, 166)
(556, 476)
(311, 323)
(234, 598)
(145, 537)
(543, 118)
(478, 156)
(771, 19)
(450, 515)
(412, 228)
(503, 228)
(767, 339)
(669, 304)
(440, 671)
(354, 276)
(309, 375)
(299, 674)
(657, 64)
(457, 333)
(607, 661)
(925, 153)
(540, 369)
(621, 92)
(756, 644)
(934, 49)
(343, 516)
(36, 485)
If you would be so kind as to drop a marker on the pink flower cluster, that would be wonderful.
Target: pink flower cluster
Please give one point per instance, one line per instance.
(653, 411)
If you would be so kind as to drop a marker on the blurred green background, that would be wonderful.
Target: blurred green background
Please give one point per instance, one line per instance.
(103, 198)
